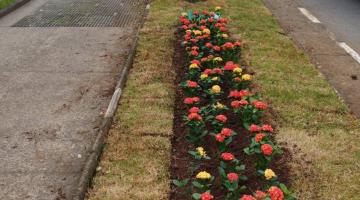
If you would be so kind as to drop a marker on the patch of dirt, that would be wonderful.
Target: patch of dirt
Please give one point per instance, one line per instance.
(181, 160)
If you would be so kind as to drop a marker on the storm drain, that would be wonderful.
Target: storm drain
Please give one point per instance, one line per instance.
(86, 13)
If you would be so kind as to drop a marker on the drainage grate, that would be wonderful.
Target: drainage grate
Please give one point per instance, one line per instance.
(86, 13)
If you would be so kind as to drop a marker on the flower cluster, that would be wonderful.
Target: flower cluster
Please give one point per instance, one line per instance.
(214, 86)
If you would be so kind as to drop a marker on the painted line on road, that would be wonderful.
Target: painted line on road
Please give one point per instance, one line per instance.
(350, 51)
(310, 16)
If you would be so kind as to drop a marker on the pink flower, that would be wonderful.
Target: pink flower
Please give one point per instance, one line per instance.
(232, 177)
(206, 196)
(255, 128)
(267, 127)
(227, 156)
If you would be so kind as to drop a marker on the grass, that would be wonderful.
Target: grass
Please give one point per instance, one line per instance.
(314, 124)
(136, 158)
(5, 3)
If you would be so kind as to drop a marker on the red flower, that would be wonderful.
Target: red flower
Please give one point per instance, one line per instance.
(188, 101)
(227, 156)
(259, 105)
(194, 110)
(203, 21)
(205, 12)
(237, 104)
(203, 59)
(194, 53)
(218, 25)
(216, 71)
(229, 66)
(237, 79)
(191, 100)
(232, 177)
(196, 99)
(207, 71)
(237, 43)
(228, 45)
(209, 45)
(184, 27)
(194, 41)
(195, 62)
(243, 93)
(216, 48)
(266, 149)
(276, 193)
(267, 127)
(187, 37)
(255, 128)
(247, 197)
(196, 12)
(221, 118)
(194, 116)
(259, 137)
(219, 137)
(260, 195)
(223, 29)
(186, 21)
(226, 132)
(206, 196)
(234, 94)
(211, 20)
(192, 84)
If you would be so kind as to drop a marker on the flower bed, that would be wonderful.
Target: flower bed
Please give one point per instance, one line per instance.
(220, 131)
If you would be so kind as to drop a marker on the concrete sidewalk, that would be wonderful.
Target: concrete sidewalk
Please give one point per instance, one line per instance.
(55, 86)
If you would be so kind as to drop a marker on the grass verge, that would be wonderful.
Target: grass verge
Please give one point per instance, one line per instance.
(5, 3)
(313, 122)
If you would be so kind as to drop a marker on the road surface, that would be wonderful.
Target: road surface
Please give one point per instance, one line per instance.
(340, 17)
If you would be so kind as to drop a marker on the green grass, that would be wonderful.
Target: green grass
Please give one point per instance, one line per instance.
(315, 124)
(5, 3)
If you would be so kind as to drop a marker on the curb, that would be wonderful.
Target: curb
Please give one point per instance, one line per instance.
(12, 7)
(97, 147)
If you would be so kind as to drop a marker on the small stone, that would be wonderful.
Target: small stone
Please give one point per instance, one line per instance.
(79, 156)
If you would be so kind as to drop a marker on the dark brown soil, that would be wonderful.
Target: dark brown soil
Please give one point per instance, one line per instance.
(181, 161)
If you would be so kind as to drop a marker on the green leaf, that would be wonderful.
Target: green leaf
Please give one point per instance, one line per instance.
(197, 184)
(196, 196)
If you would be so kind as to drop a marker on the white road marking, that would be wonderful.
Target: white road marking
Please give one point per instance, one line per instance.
(350, 51)
(309, 15)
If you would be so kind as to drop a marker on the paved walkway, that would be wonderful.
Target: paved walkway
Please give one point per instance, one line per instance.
(55, 84)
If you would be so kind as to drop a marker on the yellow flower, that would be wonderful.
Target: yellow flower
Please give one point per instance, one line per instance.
(224, 35)
(219, 59)
(188, 31)
(183, 14)
(201, 151)
(217, 8)
(203, 175)
(246, 77)
(206, 31)
(219, 105)
(203, 76)
(237, 70)
(215, 78)
(193, 66)
(197, 32)
(216, 89)
(269, 174)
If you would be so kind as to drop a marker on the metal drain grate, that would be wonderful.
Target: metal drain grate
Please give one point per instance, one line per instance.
(86, 13)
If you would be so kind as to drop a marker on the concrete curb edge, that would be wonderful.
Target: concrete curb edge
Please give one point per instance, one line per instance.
(12, 7)
(97, 147)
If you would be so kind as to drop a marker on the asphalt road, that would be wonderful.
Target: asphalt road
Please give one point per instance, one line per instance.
(341, 17)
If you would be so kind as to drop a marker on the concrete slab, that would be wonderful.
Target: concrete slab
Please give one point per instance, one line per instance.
(55, 86)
